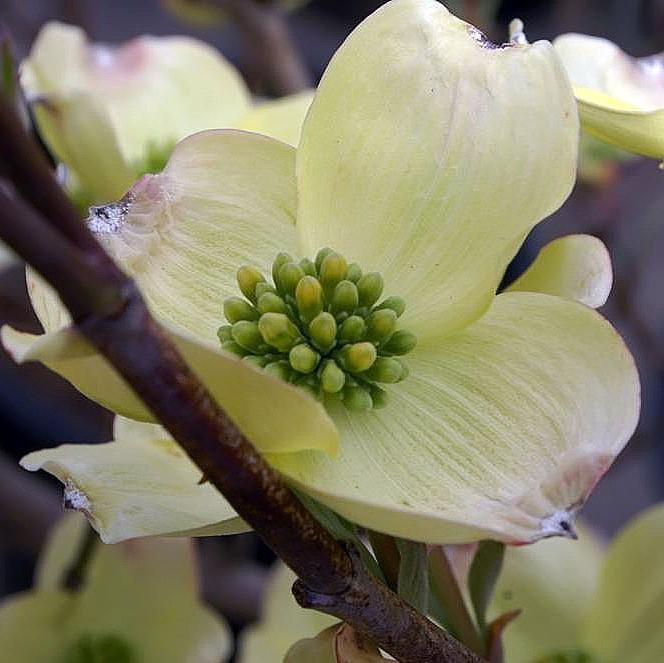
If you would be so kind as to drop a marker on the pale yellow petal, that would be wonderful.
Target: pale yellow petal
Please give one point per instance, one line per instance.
(625, 622)
(156, 90)
(280, 118)
(428, 155)
(131, 489)
(621, 98)
(275, 416)
(552, 582)
(575, 267)
(31, 626)
(225, 199)
(146, 591)
(282, 623)
(500, 431)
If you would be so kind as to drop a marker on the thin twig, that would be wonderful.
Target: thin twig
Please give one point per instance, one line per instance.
(331, 578)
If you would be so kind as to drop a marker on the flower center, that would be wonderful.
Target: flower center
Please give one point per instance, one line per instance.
(100, 649)
(320, 325)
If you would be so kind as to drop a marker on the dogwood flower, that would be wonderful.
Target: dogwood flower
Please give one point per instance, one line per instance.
(138, 603)
(111, 114)
(426, 158)
(583, 602)
(621, 98)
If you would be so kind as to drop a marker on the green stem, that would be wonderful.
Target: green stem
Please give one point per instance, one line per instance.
(446, 589)
(388, 557)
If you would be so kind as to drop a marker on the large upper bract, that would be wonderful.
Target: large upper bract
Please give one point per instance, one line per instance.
(427, 155)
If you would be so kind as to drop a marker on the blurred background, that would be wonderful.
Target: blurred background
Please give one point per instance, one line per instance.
(619, 200)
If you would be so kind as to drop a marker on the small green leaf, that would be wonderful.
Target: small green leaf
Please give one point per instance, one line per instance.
(413, 581)
(341, 529)
(483, 576)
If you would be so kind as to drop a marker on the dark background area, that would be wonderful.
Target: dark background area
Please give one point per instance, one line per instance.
(625, 209)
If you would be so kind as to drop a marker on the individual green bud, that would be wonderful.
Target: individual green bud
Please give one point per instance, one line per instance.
(323, 331)
(378, 396)
(401, 343)
(279, 262)
(332, 378)
(289, 276)
(370, 288)
(259, 361)
(344, 299)
(303, 359)
(352, 329)
(271, 303)
(320, 256)
(224, 333)
(354, 272)
(308, 267)
(397, 304)
(278, 331)
(332, 270)
(385, 369)
(279, 369)
(309, 298)
(246, 335)
(233, 348)
(264, 287)
(381, 325)
(248, 278)
(357, 399)
(358, 357)
(236, 309)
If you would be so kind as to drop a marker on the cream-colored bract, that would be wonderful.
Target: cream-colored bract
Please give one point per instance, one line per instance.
(143, 593)
(429, 156)
(621, 98)
(113, 113)
(575, 597)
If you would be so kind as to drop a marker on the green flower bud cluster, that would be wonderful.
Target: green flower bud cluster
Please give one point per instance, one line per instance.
(100, 649)
(320, 325)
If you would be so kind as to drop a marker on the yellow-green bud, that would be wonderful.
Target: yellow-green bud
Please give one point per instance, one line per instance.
(259, 361)
(224, 333)
(381, 325)
(271, 303)
(279, 262)
(370, 288)
(309, 298)
(279, 369)
(401, 343)
(357, 399)
(236, 309)
(278, 331)
(264, 287)
(303, 359)
(233, 348)
(378, 397)
(246, 335)
(352, 329)
(323, 331)
(248, 278)
(308, 267)
(397, 304)
(289, 276)
(344, 299)
(385, 369)
(332, 270)
(358, 357)
(320, 256)
(354, 272)
(332, 378)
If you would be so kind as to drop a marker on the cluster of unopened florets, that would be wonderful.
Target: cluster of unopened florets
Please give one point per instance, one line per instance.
(319, 325)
